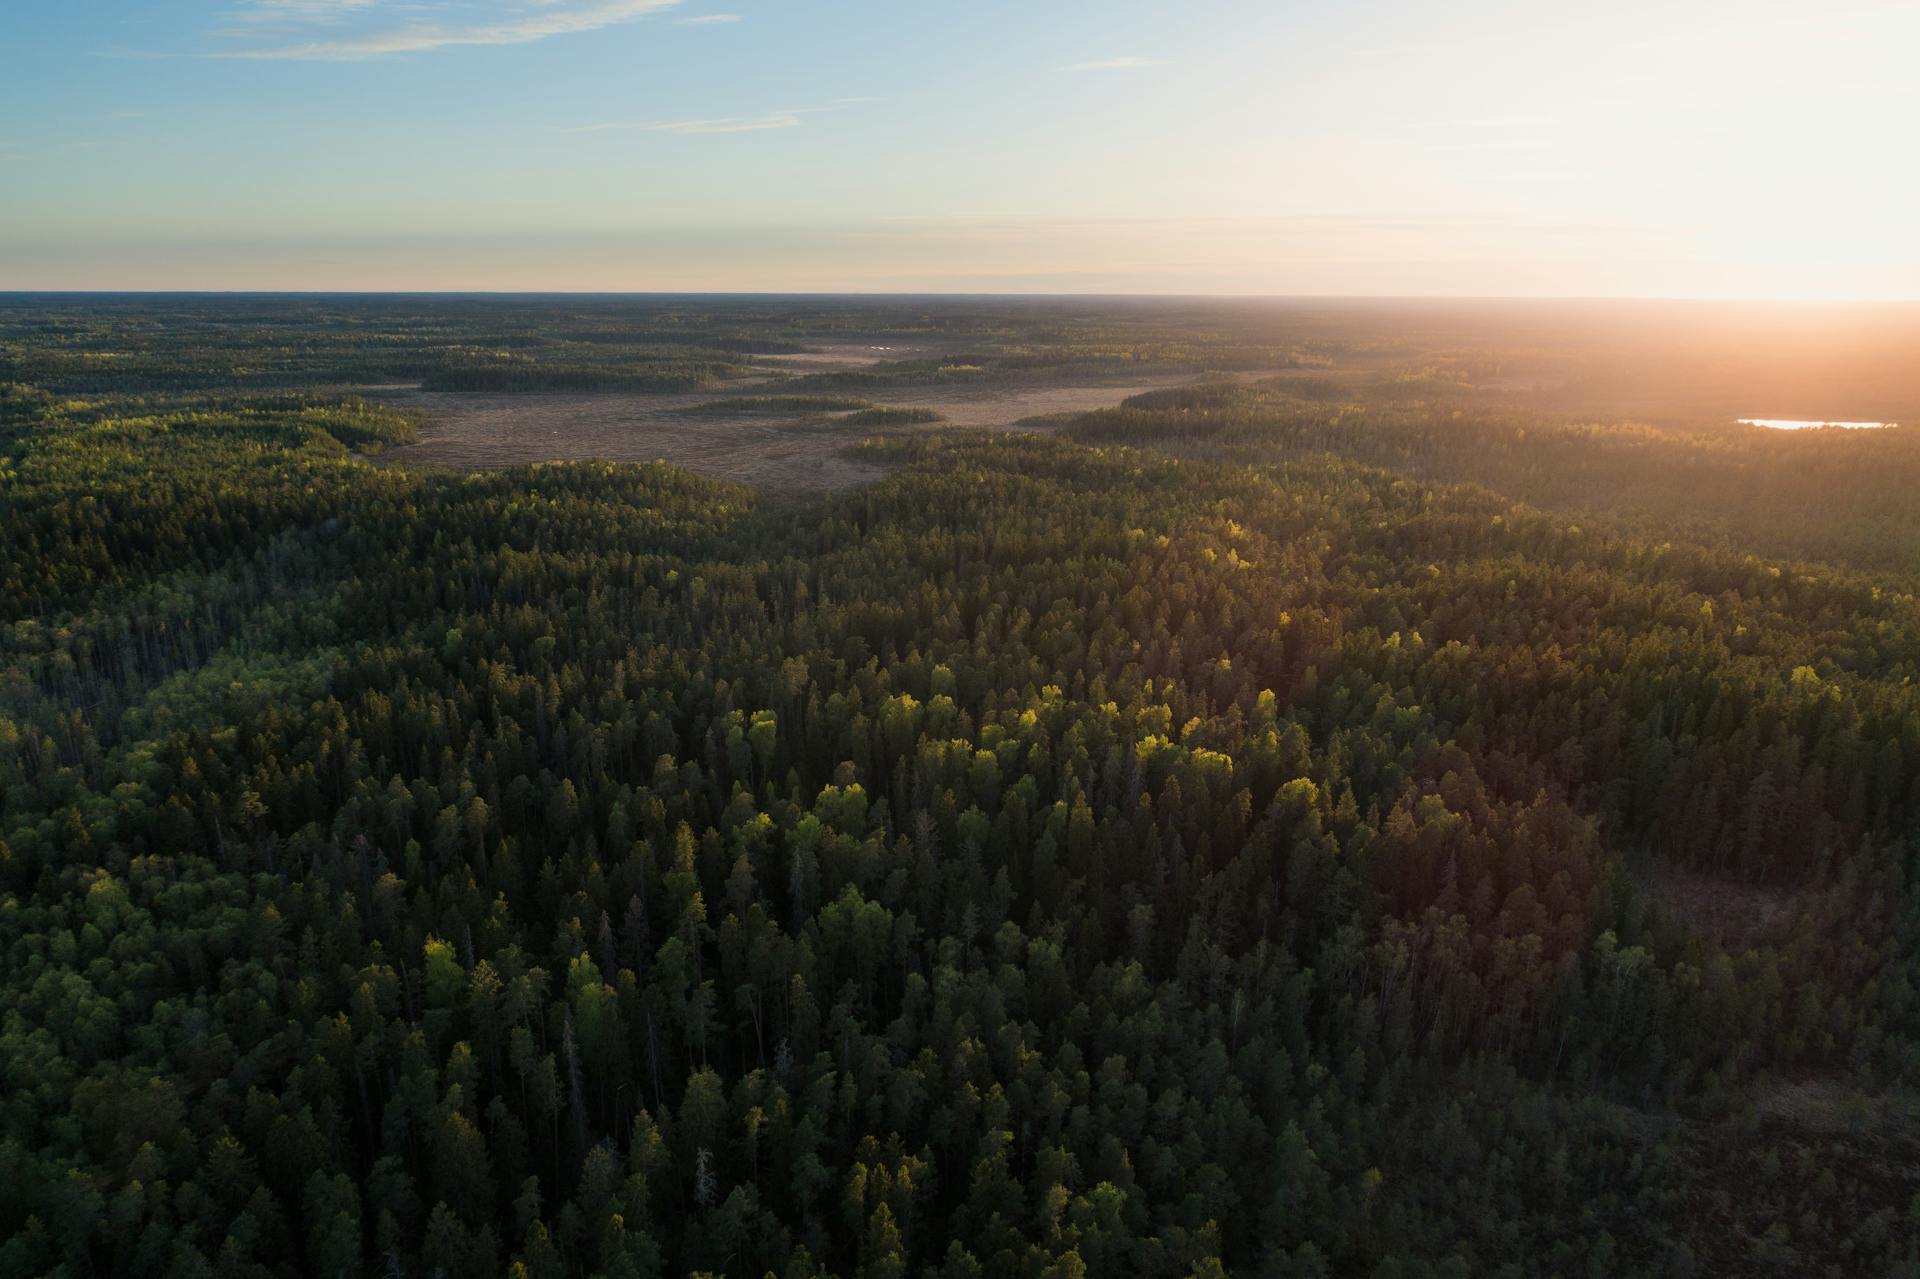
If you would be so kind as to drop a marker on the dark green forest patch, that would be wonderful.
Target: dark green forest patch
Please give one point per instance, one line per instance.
(1203, 841)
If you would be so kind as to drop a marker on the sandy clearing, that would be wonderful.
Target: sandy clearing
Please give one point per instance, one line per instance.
(485, 430)
(840, 357)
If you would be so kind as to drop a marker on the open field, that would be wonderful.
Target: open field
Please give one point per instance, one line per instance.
(833, 357)
(482, 430)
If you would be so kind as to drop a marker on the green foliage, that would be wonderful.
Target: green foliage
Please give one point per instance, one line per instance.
(891, 415)
(1051, 859)
(1837, 495)
(134, 345)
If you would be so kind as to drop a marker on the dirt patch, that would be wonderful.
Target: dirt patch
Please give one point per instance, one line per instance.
(841, 357)
(1009, 406)
(485, 430)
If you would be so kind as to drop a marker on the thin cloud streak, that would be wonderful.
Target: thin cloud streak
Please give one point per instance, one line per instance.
(784, 118)
(270, 11)
(1126, 63)
(708, 20)
(418, 37)
(723, 124)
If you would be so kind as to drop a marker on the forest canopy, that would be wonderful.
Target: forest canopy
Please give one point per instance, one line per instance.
(1337, 817)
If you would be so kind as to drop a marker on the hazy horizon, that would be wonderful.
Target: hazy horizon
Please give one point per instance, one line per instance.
(1744, 305)
(1235, 148)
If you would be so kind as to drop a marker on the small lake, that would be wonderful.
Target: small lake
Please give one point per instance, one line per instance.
(1802, 424)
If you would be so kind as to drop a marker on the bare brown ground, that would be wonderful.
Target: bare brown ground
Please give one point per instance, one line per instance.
(834, 357)
(485, 430)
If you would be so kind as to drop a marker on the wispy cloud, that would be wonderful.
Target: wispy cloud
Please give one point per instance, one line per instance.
(784, 118)
(720, 124)
(709, 20)
(302, 10)
(1125, 63)
(546, 18)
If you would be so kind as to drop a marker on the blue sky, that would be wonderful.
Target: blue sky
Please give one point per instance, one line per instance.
(1747, 148)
